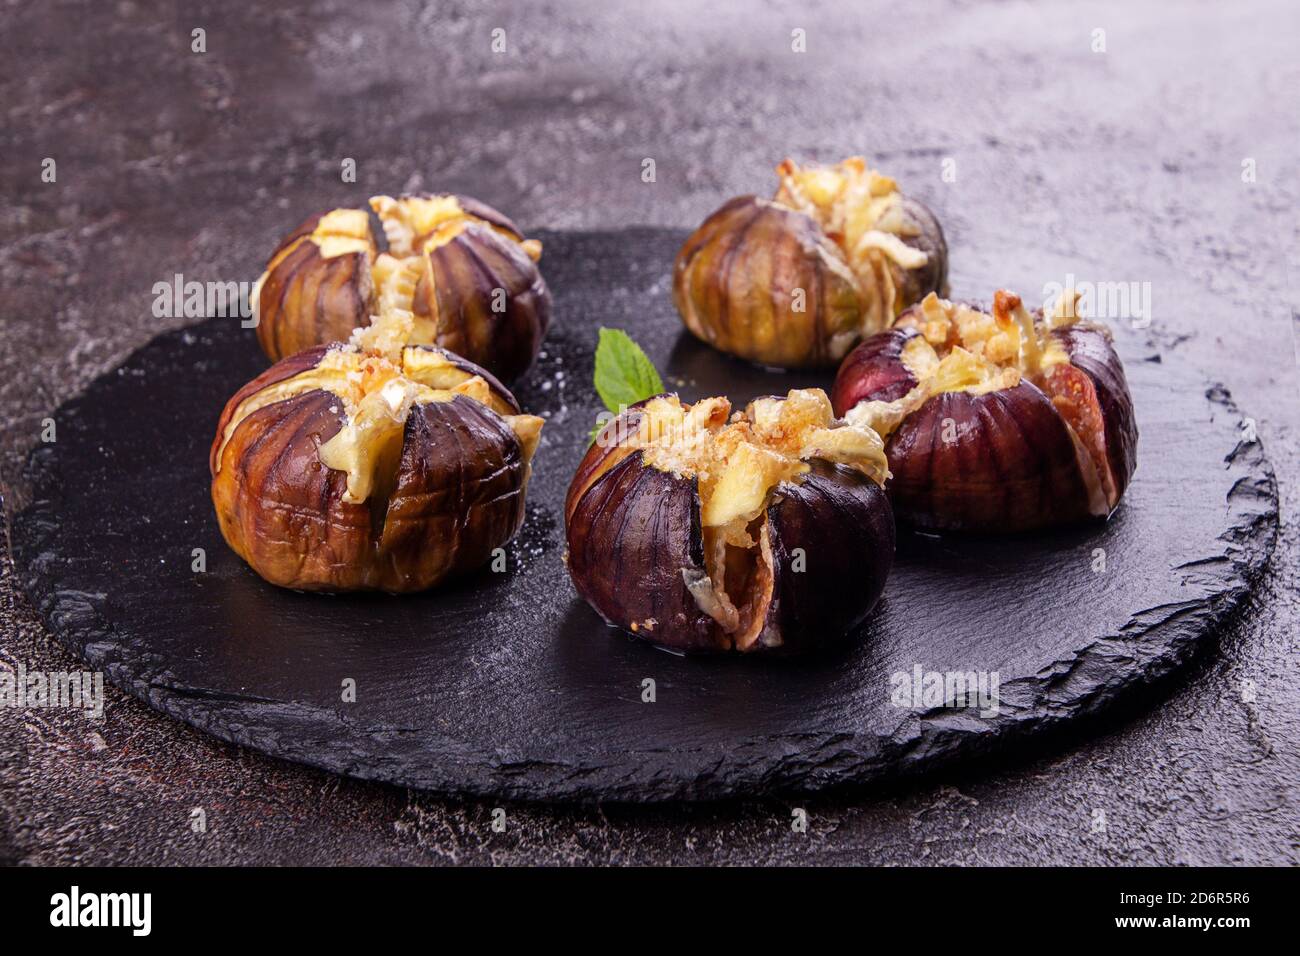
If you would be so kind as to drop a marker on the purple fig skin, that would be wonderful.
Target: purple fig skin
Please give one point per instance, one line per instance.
(459, 494)
(844, 525)
(281, 370)
(308, 299)
(1009, 464)
(631, 536)
(603, 454)
(734, 283)
(635, 537)
(1091, 351)
(465, 273)
(874, 371)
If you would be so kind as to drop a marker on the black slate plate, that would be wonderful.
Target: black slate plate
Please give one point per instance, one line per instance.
(507, 684)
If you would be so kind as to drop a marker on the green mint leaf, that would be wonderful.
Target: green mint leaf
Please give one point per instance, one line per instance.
(624, 376)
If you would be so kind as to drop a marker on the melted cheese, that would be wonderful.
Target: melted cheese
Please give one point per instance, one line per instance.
(961, 349)
(376, 396)
(738, 461)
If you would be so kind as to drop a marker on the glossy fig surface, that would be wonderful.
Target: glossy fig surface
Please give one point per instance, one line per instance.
(798, 280)
(995, 421)
(345, 468)
(464, 270)
(703, 531)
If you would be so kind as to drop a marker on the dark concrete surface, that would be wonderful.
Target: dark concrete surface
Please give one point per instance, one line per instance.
(1118, 165)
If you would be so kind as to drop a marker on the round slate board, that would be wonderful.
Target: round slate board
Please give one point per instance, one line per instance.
(507, 684)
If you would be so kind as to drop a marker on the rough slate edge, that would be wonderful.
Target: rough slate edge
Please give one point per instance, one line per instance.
(814, 762)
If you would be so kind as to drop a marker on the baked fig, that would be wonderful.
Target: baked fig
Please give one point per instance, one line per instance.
(796, 281)
(1008, 421)
(371, 465)
(763, 531)
(461, 268)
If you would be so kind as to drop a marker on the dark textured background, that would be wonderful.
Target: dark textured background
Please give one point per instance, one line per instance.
(1120, 165)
